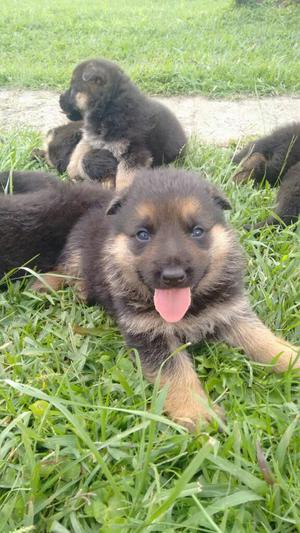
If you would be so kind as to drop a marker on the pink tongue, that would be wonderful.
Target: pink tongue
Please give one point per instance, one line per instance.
(172, 304)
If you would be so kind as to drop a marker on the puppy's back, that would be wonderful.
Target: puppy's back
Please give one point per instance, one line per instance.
(34, 227)
(167, 139)
(23, 182)
(283, 142)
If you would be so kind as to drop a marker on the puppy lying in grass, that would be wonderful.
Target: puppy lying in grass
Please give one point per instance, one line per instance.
(118, 117)
(275, 158)
(162, 260)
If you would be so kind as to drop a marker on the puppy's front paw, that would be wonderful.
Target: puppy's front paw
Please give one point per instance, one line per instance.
(242, 177)
(192, 411)
(288, 359)
(47, 282)
(38, 154)
(254, 163)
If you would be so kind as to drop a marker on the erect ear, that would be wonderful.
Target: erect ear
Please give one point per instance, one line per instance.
(219, 198)
(94, 72)
(117, 202)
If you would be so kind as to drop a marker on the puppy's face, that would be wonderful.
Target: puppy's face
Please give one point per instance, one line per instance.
(92, 81)
(165, 229)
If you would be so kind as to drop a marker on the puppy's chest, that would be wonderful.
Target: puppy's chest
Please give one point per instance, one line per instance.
(139, 319)
(118, 148)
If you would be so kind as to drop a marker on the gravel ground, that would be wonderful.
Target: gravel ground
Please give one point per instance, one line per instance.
(212, 121)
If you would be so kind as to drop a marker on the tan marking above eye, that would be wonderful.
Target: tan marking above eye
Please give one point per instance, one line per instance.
(188, 207)
(146, 210)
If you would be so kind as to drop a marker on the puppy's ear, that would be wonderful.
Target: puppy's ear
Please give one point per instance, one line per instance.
(222, 201)
(94, 73)
(219, 198)
(117, 202)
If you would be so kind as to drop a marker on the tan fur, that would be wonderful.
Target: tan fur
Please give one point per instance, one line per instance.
(120, 250)
(247, 167)
(108, 183)
(188, 207)
(50, 279)
(72, 269)
(146, 210)
(125, 176)
(262, 345)
(75, 168)
(117, 252)
(223, 242)
(186, 401)
(117, 148)
(82, 101)
(68, 273)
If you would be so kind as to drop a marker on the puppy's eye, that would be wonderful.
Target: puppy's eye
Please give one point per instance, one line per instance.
(197, 232)
(143, 235)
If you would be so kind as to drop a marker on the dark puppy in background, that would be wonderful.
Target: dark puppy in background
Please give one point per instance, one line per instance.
(22, 182)
(61, 142)
(276, 159)
(36, 221)
(118, 117)
(160, 257)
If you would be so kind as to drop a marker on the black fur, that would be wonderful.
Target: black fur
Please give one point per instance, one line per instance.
(22, 182)
(281, 148)
(278, 163)
(100, 163)
(34, 226)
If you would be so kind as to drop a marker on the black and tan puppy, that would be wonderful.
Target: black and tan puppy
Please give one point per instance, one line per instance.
(275, 158)
(163, 261)
(61, 142)
(137, 130)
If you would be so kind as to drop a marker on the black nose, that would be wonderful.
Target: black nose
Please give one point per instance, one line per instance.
(173, 276)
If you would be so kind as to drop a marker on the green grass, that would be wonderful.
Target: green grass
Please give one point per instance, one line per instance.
(84, 446)
(182, 47)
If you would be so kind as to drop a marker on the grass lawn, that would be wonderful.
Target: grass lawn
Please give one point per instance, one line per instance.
(84, 446)
(169, 47)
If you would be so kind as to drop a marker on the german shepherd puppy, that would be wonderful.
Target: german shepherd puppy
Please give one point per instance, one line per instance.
(61, 142)
(136, 129)
(160, 257)
(275, 158)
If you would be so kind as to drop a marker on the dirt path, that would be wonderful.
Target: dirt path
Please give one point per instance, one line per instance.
(213, 121)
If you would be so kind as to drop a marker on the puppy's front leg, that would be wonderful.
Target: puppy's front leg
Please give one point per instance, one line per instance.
(260, 344)
(186, 401)
(75, 168)
(253, 167)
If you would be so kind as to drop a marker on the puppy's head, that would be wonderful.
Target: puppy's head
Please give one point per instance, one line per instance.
(91, 84)
(166, 228)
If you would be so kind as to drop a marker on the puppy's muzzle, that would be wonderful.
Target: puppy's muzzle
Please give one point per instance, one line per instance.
(68, 107)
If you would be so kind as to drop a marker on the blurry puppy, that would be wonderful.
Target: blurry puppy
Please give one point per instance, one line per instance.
(163, 261)
(137, 130)
(61, 142)
(275, 158)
